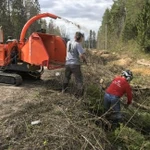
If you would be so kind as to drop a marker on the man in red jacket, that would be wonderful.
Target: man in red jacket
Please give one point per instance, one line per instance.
(118, 87)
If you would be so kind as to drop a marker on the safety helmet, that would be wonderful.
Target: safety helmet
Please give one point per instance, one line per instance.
(127, 74)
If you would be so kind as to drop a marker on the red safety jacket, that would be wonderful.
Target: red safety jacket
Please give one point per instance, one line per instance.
(120, 86)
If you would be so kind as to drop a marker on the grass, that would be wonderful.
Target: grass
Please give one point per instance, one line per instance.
(131, 49)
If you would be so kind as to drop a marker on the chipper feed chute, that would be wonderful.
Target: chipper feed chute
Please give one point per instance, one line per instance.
(45, 50)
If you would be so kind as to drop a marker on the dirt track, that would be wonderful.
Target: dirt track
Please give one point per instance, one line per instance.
(63, 120)
(14, 98)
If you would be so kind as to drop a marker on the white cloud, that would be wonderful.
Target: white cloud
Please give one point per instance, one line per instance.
(87, 13)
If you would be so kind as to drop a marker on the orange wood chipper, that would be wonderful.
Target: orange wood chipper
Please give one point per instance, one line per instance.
(30, 56)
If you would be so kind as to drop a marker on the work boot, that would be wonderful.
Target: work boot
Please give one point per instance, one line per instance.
(65, 87)
(115, 124)
(79, 93)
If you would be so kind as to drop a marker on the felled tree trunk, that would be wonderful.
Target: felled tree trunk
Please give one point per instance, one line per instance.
(141, 106)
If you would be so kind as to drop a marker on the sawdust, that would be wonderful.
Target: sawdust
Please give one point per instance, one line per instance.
(141, 71)
(98, 52)
(143, 62)
(124, 62)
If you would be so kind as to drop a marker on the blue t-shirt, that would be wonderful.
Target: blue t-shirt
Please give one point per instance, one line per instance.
(74, 50)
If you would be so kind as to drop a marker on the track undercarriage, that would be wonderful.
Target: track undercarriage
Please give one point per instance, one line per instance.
(14, 73)
(10, 78)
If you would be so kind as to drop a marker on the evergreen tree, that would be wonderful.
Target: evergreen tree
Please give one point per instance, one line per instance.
(126, 20)
(32, 9)
(90, 39)
(5, 18)
(105, 31)
(133, 9)
(18, 17)
(94, 39)
(51, 27)
(143, 27)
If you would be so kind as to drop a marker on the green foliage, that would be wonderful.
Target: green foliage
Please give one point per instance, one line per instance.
(130, 24)
(144, 123)
(126, 20)
(53, 29)
(95, 98)
(129, 32)
(143, 26)
(92, 39)
(133, 9)
(104, 31)
(32, 9)
(5, 18)
(15, 13)
(145, 119)
(130, 139)
(18, 17)
(118, 13)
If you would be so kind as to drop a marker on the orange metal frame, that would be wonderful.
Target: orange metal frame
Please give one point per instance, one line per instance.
(40, 48)
(33, 19)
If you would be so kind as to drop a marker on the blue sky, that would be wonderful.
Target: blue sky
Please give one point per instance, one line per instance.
(87, 13)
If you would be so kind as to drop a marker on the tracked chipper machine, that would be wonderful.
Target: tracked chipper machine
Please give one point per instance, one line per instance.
(30, 56)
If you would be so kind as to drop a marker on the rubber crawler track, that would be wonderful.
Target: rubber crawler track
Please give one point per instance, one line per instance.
(10, 78)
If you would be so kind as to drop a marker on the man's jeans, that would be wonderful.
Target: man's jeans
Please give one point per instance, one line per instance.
(112, 103)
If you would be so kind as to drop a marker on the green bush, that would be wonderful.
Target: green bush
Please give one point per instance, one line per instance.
(94, 96)
(130, 139)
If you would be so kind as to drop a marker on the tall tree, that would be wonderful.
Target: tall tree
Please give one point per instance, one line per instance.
(143, 27)
(126, 20)
(18, 17)
(51, 27)
(15, 13)
(133, 9)
(5, 18)
(63, 32)
(105, 32)
(32, 9)
(90, 39)
(94, 39)
(118, 13)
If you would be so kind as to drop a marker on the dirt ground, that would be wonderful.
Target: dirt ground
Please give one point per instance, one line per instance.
(24, 103)
(13, 98)
(60, 115)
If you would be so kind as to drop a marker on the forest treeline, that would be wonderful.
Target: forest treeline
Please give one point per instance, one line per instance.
(15, 13)
(126, 20)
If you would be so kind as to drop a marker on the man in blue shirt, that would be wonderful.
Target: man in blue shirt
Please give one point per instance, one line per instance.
(75, 52)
